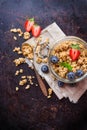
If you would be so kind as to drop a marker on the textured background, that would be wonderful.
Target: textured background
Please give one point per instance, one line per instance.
(29, 109)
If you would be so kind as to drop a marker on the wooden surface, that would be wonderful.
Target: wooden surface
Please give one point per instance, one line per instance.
(30, 109)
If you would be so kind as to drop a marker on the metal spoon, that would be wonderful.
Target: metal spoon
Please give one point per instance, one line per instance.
(39, 79)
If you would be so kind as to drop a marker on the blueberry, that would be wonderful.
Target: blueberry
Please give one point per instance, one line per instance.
(44, 69)
(71, 75)
(60, 83)
(54, 59)
(79, 73)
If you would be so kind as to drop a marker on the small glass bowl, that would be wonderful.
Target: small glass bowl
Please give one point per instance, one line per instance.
(66, 38)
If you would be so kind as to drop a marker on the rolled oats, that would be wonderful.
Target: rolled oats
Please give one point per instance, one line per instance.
(62, 52)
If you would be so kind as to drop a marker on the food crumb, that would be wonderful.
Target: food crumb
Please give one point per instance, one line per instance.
(36, 84)
(17, 88)
(15, 38)
(26, 35)
(49, 92)
(27, 87)
(21, 70)
(17, 72)
(22, 82)
(23, 77)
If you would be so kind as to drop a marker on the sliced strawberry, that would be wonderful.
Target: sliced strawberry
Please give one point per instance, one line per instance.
(36, 30)
(29, 24)
(74, 52)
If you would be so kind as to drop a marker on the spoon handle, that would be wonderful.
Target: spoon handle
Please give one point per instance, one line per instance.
(41, 83)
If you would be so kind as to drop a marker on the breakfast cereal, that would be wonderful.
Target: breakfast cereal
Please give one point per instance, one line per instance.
(75, 58)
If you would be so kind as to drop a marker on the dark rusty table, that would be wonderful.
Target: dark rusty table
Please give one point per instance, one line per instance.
(30, 109)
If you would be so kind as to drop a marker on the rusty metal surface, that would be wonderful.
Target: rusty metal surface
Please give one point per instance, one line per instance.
(30, 109)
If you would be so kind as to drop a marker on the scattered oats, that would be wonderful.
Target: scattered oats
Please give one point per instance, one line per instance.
(16, 49)
(29, 77)
(19, 30)
(13, 30)
(17, 72)
(15, 38)
(19, 61)
(27, 87)
(31, 83)
(22, 82)
(49, 92)
(23, 77)
(21, 70)
(17, 88)
(48, 96)
(26, 35)
(19, 52)
(20, 34)
(36, 84)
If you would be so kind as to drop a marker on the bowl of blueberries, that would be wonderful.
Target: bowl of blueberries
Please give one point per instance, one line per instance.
(68, 60)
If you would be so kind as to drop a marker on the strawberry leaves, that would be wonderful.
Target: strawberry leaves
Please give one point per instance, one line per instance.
(66, 65)
(75, 46)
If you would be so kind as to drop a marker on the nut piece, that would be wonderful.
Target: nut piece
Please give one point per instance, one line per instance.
(15, 38)
(27, 87)
(21, 70)
(26, 35)
(18, 50)
(23, 77)
(17, 72)
(17, 88)
(19, 61)
(22, 82)
(13, 30)
(27, 50)
(49, 92)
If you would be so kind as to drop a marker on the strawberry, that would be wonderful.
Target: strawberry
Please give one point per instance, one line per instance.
(36, 30)
(29, 24)
(74, 52)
